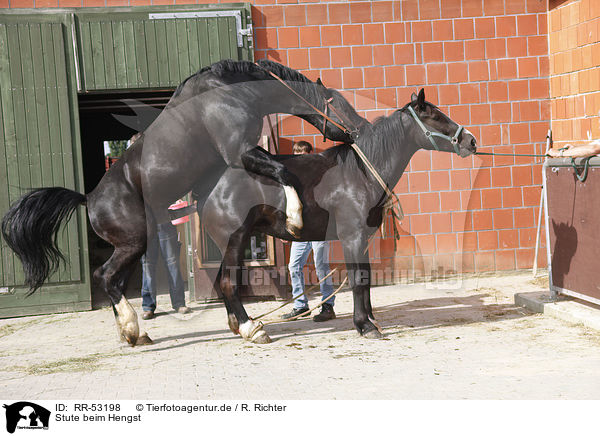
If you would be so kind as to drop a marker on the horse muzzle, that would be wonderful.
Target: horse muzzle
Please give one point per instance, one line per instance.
(468, 146)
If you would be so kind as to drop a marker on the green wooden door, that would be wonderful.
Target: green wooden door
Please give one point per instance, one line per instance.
(48, 57)
(39, 147)
(158, 46)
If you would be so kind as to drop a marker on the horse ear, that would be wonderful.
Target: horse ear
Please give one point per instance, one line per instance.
(421, 98)
(413, 97)
(324, 89)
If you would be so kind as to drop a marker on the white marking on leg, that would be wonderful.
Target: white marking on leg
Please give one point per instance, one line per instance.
(293, 207)
(252, 331)
(127, 321)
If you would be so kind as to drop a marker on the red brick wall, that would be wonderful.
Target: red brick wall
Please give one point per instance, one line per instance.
(484, 62)
(574, 27)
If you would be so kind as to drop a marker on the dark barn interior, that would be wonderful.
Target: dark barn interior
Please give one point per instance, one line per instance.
(108, 117)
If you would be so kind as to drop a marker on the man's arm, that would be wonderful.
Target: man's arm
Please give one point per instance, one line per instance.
(590, 149)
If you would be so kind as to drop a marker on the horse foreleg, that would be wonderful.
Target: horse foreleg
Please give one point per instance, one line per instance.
(359, 278)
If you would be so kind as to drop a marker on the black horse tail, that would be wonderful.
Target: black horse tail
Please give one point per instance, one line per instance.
(30, 228)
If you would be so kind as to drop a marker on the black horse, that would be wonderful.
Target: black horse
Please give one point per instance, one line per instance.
(341, 198)
(214, 119)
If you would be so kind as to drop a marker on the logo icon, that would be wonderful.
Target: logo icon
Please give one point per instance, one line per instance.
(26, 415)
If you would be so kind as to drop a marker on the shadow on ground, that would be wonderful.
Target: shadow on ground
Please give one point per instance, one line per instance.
(419, 314)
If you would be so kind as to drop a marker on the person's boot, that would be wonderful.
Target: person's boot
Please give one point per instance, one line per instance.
(326, 314)
(295, 312)
(148, 314)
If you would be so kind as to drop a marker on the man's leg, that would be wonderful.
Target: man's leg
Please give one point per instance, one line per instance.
(170, 249)
(149, 276)
(298, 254)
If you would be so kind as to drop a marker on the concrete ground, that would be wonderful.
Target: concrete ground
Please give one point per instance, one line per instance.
(447, 340)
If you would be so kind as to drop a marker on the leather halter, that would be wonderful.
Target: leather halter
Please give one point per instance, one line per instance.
(432, 134)
(343, 119)
(352, 133)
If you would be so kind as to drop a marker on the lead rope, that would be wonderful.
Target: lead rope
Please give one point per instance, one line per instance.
(586, 166)
(308, 312)
(312, 288)
(509, 154)
(580, 176)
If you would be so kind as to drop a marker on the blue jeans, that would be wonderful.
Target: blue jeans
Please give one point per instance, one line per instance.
(298, 255)
(166, 241)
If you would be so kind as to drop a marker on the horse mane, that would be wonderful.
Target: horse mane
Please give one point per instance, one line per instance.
(378, 141)
(258, 71)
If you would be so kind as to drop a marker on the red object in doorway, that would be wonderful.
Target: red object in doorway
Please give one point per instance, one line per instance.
(179, 205)
(109, 162)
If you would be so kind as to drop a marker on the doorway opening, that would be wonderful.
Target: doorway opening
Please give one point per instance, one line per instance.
(107, 122)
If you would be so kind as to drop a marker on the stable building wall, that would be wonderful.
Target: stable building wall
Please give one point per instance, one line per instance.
(484, 62)
(574, 51)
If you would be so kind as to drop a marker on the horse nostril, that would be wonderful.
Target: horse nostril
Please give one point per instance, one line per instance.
(473, 143)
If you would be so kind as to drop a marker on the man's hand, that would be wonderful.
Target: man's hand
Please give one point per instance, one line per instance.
(570, 150)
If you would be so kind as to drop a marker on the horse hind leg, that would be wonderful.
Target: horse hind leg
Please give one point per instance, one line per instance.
(238, 319)
(231, 236)
(232, 320)
(249, 329)
(114, 275)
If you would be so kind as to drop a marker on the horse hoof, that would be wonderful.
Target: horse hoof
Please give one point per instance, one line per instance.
(131, 339)
(144, 339)
(373, 334)
(261, 338)
(127, 321)
(292, 230)
(253, 332)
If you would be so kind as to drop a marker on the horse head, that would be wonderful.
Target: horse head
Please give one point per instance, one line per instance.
(439, 132)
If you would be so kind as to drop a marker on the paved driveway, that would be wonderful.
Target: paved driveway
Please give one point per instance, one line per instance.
(446, 343)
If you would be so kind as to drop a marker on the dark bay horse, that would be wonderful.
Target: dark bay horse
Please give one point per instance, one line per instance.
(214, 119)
(341, 199)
